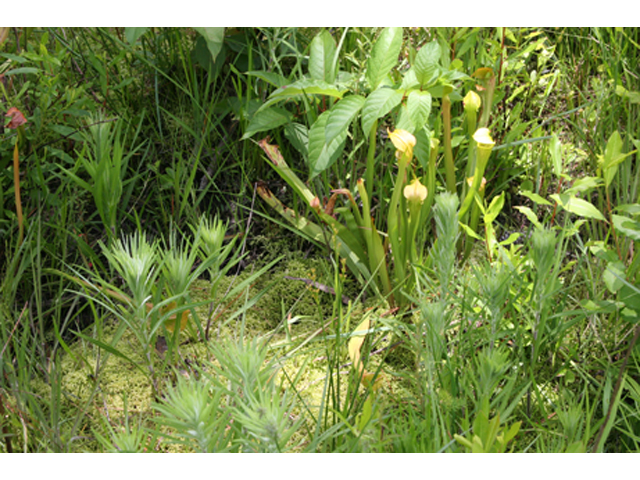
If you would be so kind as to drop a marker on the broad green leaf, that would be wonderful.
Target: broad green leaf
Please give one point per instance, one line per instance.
(530, 216)
(377, 105)
(613, 156)
(409, 81)
(512, 238)
(298, 135)
(341, 115)
(419, 107)
(422, 150)
(600, 250)
(470, 231)
(403, 120)
(426, 63)
(633, 97)
(307, 86)
(631, 208)
(384, 56)
(612, 150)
(132, 34)
(267, 119)
(555, 149)
(626, 226)
(578, 206)
(214, 36)
(630, 297)
(535, 198)
(584, 184)
(613, 276)
(322, 154)
(495, 207)
(322, 51)
(272, 78)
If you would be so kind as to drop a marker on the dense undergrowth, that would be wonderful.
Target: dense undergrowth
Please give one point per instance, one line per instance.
(319, 240)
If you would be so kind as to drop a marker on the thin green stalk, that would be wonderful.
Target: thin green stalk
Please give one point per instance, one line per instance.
(448, 151)
(371, 159)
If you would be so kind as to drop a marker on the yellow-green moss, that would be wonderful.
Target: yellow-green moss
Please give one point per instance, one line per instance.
(111, 379)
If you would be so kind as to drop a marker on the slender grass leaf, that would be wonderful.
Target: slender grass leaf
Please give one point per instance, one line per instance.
(341, 116)
(384, 56)
(110, 349)
(24, 70)
(15, 58)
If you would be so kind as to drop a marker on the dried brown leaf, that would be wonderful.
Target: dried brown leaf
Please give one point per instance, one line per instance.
(17, 118)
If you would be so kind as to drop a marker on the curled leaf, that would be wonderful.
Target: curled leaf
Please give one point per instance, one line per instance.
(17, 118)
(356, 343)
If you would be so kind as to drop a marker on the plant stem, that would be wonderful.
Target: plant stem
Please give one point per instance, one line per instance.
(448, 152)
(371, 160)
(16, 182)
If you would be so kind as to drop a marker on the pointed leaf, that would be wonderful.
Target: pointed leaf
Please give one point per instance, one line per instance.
(298, 135)
(535, 198)
(578, 206)
(494, 208)
(584, 184)
(384, 56)
(613, 156)
(322, 51)
(132, 34)
(614, 276)
(530, 216)
(419, 107)
(422, 150)
(214, 36)
(341, 116)
(626, 226)
(555, 149)
(308, 86)
(272, 78)
(426, 64)
(322, 154)
(266, 120)
(356, 341)
(377, 105)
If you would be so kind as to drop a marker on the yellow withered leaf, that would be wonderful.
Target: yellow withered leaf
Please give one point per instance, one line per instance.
(356, 343)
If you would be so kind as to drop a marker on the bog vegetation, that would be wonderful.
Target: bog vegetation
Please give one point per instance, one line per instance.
(319, 240)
